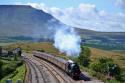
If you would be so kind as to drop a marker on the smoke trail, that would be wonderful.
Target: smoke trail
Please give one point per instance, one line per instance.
(67, 41)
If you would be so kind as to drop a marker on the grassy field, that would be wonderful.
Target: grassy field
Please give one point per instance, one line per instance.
(118, 57)
(20, 74)
(49, 48)
(5, 44)
(28, 47)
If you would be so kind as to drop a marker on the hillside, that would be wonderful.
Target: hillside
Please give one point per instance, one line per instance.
(23, 20)
(118, 57)
(24, 23)
(103, 40)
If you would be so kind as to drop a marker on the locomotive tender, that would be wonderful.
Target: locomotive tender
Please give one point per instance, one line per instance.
(71, 68)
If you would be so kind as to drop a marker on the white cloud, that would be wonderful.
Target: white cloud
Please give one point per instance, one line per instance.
(121, 14)
(87, 8)
(102, 13)
(121, 3)
(40, 6)
(86, 16)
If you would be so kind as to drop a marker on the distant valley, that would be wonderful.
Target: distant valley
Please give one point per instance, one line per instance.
(103, 40)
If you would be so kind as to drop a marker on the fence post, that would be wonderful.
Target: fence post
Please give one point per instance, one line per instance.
(19, 81)
(8, 81)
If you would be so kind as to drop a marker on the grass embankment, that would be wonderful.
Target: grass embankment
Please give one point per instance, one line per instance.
(29, 47)
(18, 74)
(11, 69)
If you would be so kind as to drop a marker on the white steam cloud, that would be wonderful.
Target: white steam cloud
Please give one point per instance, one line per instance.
(65, 38)
(67, 41)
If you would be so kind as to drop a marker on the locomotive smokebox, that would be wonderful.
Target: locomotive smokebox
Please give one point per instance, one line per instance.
(70, 61)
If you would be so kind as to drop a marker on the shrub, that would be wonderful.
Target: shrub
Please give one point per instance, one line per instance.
(0, 50)
(107, 67)
(84, 57)
(1, 63)
(86, 61)
(10, 53)
(15, 57)
(8, 69)
(19, 63)
(41, 50)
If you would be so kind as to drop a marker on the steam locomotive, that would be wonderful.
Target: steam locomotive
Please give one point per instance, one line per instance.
(71, 68)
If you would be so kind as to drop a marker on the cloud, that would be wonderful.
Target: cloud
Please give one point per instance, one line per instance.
(86, 16)
(102, 13)
(121, 3)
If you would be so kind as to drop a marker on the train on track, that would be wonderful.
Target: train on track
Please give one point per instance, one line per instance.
(71, 68)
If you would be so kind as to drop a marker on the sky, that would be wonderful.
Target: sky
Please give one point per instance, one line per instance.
(99, 15)
(107, 5)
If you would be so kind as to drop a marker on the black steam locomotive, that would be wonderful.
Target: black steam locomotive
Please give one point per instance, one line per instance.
(69, 66)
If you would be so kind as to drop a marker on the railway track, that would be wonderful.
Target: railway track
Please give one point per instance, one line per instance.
(59, 74)
(47, 75)
(42, 71)
(53, 71)
(36, 76)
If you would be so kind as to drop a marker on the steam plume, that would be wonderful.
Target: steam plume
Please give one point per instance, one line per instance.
(67, 41)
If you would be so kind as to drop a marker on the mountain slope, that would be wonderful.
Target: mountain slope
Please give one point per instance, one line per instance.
(22, 20)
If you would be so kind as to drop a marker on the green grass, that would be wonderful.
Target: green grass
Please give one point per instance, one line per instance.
(5, 44)
(18, 74)
(118, 57)
(112, 81)
(29, 47)
(106, 47)
(49, 48)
